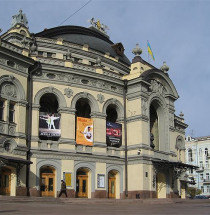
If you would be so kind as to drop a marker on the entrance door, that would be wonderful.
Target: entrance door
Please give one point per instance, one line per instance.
(5, 182)
(112, 187)
(47, 182)
(161, 186)
(82, 186)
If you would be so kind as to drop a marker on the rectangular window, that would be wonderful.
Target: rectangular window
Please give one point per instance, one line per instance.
(201, 164)
(207, 164)
(201, 176)
(208, 189)
(207, 176)
(11, 112)
(1, 110)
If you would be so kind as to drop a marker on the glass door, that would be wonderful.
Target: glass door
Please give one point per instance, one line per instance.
(47, 184)
(82, 186)
(112, 187)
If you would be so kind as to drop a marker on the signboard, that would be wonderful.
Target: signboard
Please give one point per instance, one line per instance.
(67, 178)
(49, 125)
(101, 181)
(84, 131)
(113, 134)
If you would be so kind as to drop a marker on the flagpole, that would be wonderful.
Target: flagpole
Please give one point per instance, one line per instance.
(148, 52)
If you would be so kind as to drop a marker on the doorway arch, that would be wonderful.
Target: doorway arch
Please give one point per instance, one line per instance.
(82, 182)
(113, 184)
(161, 185)
(47, 181)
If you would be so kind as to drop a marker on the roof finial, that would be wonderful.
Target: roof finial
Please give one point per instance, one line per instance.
(164, 67)
(137, 50)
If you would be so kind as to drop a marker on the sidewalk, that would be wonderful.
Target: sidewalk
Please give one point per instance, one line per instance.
(19, 199)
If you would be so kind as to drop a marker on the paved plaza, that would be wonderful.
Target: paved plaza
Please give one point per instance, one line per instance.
(101, 207)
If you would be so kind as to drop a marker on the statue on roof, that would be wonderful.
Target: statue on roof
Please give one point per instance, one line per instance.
(98, 25)
(19, 19)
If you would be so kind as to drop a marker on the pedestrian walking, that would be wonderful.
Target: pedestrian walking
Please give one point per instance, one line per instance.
(63, 188)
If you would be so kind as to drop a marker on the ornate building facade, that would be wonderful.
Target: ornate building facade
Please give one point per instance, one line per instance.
(73, 107)
(197, 154)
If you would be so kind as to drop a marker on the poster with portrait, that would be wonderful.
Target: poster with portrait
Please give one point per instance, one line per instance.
(113, 134)
(49, 124)
(84, 134)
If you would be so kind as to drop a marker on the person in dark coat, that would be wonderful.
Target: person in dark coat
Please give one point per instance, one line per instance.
(63, 188)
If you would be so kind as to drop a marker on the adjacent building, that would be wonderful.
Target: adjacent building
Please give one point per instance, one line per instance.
(197, 154)
(73, 107)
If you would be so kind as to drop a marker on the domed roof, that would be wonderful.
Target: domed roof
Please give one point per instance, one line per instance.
(80, 35)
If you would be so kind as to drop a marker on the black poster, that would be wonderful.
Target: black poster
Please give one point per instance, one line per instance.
(113, 134)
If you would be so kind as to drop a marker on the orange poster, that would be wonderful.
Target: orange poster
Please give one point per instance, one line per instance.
(84, 131)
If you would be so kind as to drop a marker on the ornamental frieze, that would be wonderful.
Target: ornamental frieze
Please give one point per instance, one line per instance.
(75, 79)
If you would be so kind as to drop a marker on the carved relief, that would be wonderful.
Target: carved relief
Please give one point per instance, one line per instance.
(79, 148)
(88, 149)
(68, 92)
(12, 130)
(157, 87)
(1, 128)
(2, 61)
(171, 119)
(100, 98)
(143, 106)
(9, 90)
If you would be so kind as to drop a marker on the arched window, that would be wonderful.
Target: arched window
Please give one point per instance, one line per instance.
(8, 101)
(111, 113)
(83, 108)
(154, 128)
(49, 118)
(190, 155)
(113, 129)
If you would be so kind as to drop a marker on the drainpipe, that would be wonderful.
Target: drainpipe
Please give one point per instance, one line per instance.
(32, 69)
(125, 135)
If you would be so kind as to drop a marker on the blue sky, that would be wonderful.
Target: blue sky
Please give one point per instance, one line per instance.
(178, 31)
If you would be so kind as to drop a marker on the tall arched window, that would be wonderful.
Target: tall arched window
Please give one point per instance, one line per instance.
(83, 108)
(113, 129)
(111, 113)
(154, 128)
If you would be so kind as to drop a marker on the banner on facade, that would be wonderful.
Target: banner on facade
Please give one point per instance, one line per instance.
(113, 134)
(49, 125)
(84, 134)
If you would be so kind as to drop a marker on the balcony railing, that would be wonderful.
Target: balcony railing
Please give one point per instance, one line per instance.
(206, 181)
